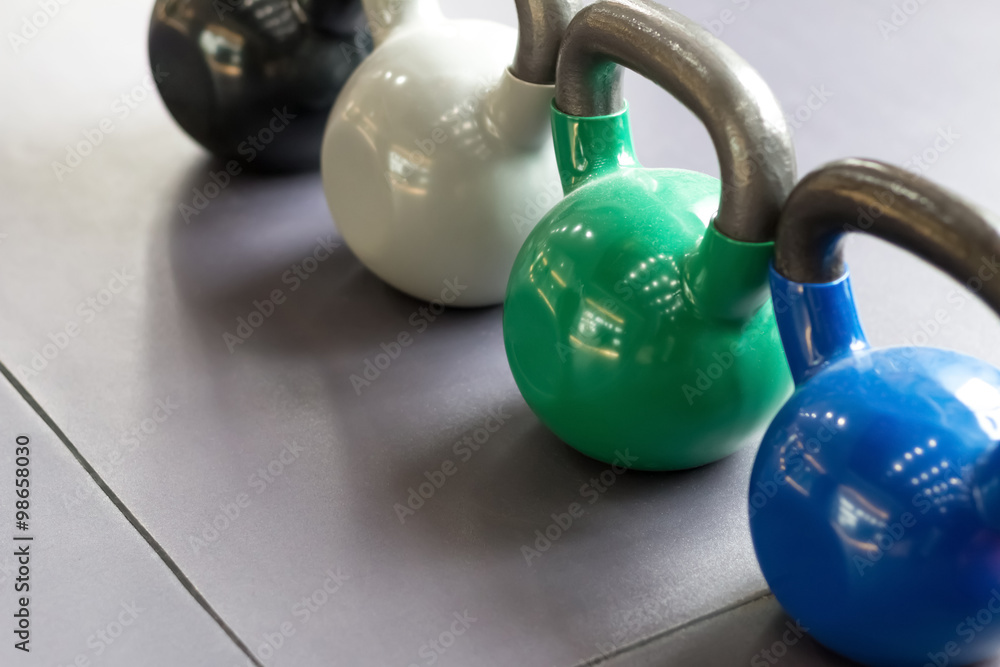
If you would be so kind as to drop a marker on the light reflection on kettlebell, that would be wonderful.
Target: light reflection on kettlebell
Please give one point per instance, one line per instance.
(440, 142)
(633, 288)
(254, 80)
(874, 503)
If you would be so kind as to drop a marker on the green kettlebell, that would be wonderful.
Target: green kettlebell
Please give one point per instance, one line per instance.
(638, 315)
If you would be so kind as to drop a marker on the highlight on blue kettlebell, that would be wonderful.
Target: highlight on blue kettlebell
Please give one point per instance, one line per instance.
(874, 499)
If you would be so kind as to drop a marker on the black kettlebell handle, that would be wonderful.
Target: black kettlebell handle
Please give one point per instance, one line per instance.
(889, 203)
(730, 98)
(339, 17)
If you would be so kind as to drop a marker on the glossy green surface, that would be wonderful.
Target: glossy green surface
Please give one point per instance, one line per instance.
(630, 323)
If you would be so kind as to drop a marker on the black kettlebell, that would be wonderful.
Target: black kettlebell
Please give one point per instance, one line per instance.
(254, 80)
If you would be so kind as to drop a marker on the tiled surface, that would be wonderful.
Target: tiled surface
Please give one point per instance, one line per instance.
(757, 633)
(301, 475)
(98, 594)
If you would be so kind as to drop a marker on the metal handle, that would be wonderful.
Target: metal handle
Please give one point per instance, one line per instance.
(730, 98)
(384, 16)
(889, 203)
(541, 26)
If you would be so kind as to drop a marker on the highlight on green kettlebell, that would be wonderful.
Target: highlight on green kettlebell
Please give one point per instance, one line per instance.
(637, 316)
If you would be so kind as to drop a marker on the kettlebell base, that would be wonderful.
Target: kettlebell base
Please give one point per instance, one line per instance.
(862, 512)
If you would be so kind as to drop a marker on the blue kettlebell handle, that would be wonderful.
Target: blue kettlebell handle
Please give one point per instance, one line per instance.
(810, 282)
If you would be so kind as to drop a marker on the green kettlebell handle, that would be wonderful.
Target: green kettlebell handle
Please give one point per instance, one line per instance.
(740, 112)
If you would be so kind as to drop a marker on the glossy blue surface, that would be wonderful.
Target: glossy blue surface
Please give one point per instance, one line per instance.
(875, 496)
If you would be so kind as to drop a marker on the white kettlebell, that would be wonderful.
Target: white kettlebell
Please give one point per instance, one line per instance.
(438, 160)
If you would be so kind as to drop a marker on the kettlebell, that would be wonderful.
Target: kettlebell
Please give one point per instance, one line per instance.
(875, 496)
(254, 80)
(439, 150)
(637, 312)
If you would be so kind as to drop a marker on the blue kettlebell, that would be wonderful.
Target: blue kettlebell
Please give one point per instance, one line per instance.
(875, 496)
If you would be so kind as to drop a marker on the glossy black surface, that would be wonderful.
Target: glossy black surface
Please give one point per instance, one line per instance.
(254, 80)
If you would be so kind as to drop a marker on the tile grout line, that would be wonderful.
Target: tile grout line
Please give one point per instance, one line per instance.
(129, 516)
(629, 648)
(203, 602)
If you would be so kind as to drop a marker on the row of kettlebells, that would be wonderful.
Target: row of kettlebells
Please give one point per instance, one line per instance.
(657, 310)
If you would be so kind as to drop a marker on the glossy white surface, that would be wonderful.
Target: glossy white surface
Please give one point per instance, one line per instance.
(437, 162)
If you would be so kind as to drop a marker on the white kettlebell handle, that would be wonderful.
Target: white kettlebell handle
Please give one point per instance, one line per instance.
(541, 25)
(386, 16)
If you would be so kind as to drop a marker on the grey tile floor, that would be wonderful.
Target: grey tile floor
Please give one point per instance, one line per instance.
(266, 485)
